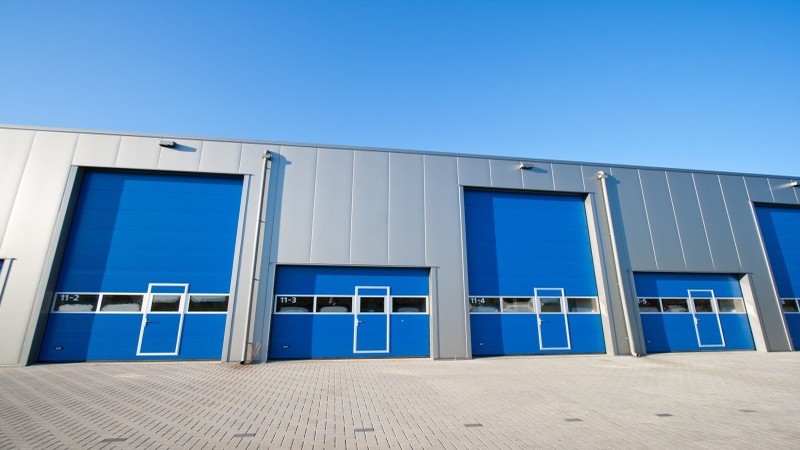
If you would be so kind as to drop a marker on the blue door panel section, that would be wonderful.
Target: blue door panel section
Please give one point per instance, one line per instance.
(312, 280)
(677, 331)
(77, 337)
(160, 334)
(520, 241)
(516, 334)
(677, 285)
(332, 335)
(410, 335)
(793, 323)
(708, 329)
(372, 332)
(780, 231)
(554, 331)
(131, 229)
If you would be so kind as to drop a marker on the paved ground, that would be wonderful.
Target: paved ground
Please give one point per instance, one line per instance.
(739, 400)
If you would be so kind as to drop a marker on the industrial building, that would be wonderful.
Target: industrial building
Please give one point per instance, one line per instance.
(134, 247)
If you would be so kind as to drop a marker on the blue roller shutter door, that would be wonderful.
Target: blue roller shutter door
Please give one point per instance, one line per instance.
(692, 312)
(350, 312)
(525, 252)
(780, 230)
(131, 232)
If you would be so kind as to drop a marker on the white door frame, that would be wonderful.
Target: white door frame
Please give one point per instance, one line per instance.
(714, 308)
(148, 301)
(357, 311)
(563, 301)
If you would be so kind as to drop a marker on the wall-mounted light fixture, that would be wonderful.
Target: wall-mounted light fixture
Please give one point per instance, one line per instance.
(793, 184)
(167, 143)
(525, 166)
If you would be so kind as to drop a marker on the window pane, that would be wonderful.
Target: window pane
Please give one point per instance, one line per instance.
(409, 304)
(484, 304)
(788, 305)
(334, 304)
(517, 305)
(550, 304)
(165, 303)
(702, 305)
(126, 303)
(672, 305)
(76, 302)
(582, 305)
(208, 303)
(372, 304)
(730, 305)
(649, 305)
(292, 304)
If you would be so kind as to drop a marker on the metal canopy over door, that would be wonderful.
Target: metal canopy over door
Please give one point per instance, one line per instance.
(133, 236)
(706, 318)
(162, 321)
(552, 319)
(518, 245)
(371, 322)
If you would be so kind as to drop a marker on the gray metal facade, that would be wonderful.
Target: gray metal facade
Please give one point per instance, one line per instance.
(353, 206)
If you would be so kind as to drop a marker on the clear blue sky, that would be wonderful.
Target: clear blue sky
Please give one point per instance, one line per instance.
(697, 84)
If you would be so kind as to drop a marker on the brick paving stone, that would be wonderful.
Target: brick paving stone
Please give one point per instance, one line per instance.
(521, 402)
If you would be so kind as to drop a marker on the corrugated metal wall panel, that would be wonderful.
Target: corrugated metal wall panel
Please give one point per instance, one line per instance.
(406, 210)
(661, 217)
(539, 177)
(505, 174)
(715, 217)
(369, 241)
(696, 249)
(633, 216)
(568, 177)
(15, 147)
(220, 157)
(782, 192)
(138, 153)
(474, 172)
(444, 251)
(96, 150)
(333, 204)
(295, 208)
(28, 234)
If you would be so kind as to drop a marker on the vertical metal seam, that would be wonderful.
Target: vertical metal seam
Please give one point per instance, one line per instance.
(730, 222)
(647, 217)
(313, 205)
(769, 185)
(552, 175)
(491, 175)
(389, 209)
(464, 275)
(703, 219)
(425, 209)
(352, 208)
(677, 225)
(119, 147)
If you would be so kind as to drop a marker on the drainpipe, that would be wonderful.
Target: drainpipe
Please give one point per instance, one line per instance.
(266, 157)
(602, 177)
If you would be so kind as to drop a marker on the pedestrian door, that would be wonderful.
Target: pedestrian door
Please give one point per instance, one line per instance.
(707, 324)
(371, 324)
(551, 306)
(162, 321)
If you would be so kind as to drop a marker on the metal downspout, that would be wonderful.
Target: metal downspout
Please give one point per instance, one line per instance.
(602, 177)
(266, 157)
